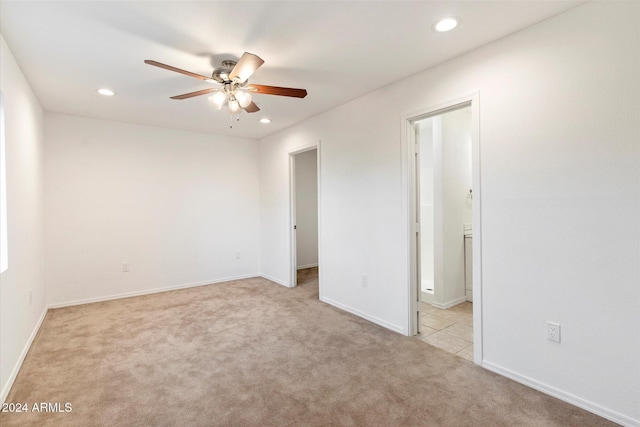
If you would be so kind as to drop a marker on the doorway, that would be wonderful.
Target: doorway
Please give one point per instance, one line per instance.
(444, 227)
(444, 196)
(304, 217)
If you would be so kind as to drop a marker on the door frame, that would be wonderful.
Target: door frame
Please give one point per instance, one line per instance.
(293, 277)
(410, 211)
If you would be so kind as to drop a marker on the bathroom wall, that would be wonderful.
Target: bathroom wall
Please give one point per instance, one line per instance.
(454, 148)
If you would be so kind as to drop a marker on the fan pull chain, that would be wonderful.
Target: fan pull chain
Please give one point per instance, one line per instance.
(231, 119)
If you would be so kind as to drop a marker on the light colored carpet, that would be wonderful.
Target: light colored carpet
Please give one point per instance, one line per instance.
(253, 353)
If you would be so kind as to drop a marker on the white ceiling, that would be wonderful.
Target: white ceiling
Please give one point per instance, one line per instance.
(337, 50)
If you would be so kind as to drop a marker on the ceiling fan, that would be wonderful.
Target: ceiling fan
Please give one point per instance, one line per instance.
(232, 86)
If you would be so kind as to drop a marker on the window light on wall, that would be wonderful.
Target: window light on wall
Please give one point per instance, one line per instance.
(4, 257)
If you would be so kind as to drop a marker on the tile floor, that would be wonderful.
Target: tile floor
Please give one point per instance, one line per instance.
(450, 330)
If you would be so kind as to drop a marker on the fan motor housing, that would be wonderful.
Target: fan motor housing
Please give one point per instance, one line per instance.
(221, 74)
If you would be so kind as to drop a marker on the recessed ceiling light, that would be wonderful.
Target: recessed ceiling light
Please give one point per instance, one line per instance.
(106, 92)
(446, 24)
(265, 120)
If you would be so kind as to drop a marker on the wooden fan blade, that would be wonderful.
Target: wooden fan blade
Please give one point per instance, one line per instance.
(275, 90)
(196, 93)
(177, 70)
(246, 66)
(252, 108)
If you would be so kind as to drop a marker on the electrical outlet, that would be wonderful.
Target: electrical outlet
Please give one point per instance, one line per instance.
(125, 267)
(364, 281)
(237, 254)
(553, 331)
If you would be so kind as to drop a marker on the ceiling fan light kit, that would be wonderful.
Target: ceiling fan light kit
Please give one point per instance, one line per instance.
(235, 91)
(217, 100)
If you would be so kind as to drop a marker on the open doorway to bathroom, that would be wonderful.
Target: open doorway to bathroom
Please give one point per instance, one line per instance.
(443, 159)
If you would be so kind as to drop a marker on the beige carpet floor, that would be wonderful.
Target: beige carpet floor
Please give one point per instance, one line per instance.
(253, 353)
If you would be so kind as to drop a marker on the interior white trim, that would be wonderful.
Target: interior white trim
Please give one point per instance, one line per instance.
(274, 280)
(476, 215)
(25, 350)
(150, 291)
(449, 304)
(319, 169)
(365, 316)
(293, 243)
(567, 397)
(408, 206)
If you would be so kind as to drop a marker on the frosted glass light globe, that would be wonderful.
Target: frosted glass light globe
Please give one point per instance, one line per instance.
(234, 106)
(218, 99)
(244, 98)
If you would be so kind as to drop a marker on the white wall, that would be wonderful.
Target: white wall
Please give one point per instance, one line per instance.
(177, 206)
(19, 317)
(560, 181)
(306, 184)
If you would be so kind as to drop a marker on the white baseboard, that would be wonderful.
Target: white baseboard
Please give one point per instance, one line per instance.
(302, 267)
(562, 395)
(149, 291)
(469, 293)
(14, 373)
(449, 304)
(383, 323)
(273, 279)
